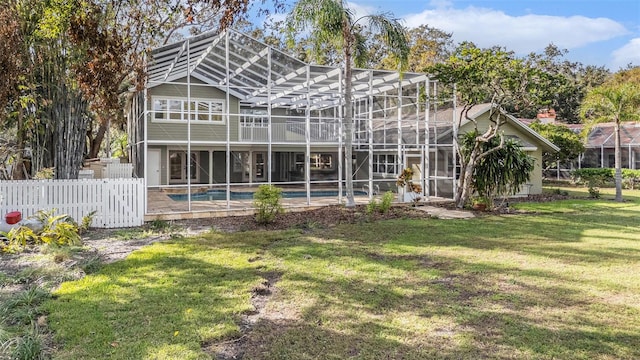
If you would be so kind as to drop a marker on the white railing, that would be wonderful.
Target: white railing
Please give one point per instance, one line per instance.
(290, 132)
(117, 202)
(117, 170)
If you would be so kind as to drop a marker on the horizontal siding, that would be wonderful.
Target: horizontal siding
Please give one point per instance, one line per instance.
(199, 131)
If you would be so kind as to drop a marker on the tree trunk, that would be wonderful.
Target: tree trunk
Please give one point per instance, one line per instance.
(464, 188)
(618, 160)
(71, 120)
(96, 142)
(18, 172)
(348, 124)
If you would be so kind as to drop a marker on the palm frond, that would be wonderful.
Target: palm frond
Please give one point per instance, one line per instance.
(394, 36)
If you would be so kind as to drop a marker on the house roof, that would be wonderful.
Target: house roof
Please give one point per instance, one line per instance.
(477, 110)
(259, 75)
(440, 127)
(601, 135)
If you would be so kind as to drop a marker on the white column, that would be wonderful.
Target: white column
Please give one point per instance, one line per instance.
(427, 141)
(267, 166)
(188, 125)
(252, 166)
(370, 134)
(399, 160)
(145, 149)
(455, 142)
(435, 139)
(228, 106)
(340, 135)
(307, 138)
(210, 168)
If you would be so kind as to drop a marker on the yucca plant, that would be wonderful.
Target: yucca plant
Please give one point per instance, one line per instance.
(502, 171)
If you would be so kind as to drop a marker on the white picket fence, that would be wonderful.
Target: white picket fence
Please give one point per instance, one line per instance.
(117, 170)
(117, 202)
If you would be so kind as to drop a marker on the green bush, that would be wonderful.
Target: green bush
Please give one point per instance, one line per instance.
(387, 200)
(372, 206)
(57, 230)
(267, 201)
(381, 206)
(630, 178)
(593, 178)
(593, 175)
(17, 239)
(598, 177)
(85, 224)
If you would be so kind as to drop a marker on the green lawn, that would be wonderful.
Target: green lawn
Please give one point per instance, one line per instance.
(561, 283)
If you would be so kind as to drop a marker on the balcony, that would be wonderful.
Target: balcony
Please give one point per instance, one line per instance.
(290, 133)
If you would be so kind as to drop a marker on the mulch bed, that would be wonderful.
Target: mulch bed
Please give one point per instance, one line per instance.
(323, 217)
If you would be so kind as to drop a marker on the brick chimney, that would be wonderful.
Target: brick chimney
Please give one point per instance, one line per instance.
(547, 116)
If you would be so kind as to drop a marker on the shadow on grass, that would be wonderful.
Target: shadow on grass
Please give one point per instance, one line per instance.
(162, 302)
(495, 287)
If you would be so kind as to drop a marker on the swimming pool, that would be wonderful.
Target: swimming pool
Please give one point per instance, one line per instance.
(248, 195)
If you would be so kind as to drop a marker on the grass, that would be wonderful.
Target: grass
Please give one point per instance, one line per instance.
(560, 283)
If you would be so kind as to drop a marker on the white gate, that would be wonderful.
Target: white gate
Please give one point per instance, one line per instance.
(117, 202)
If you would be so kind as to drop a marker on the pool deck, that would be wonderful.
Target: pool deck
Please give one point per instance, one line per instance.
(161, 206)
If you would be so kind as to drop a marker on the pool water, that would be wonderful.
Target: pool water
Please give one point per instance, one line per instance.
(244, 195)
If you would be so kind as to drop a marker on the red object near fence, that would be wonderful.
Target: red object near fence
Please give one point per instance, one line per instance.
(13, 217)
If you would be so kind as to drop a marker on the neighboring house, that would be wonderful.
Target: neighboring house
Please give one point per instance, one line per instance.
(600, 143)
(600, 146)
(224, 111)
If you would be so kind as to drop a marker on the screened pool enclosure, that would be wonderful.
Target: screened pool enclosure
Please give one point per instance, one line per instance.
(225, 113)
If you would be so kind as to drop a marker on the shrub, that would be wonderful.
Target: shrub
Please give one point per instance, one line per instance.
(381, 206)
(372, 206)
(267, 201)
(159, 225)
(593, 178)
(45, 173)
(630, 178)
(586, 175)
(18, 238)
(387, 200)
(60, 230)
(85, 224)
(56, 230)
(558, 191)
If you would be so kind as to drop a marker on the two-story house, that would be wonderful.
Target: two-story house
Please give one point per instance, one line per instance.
(224, 112)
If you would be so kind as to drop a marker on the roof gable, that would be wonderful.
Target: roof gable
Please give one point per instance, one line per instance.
(478, 111)
(259, 74)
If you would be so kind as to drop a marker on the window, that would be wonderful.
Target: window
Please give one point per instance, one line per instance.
(321, 161)
(160, 108)
(180, 109)
(254, 118)
(385, 164)
(178, 170)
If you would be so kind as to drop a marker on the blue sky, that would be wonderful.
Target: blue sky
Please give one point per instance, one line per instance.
(602, 32)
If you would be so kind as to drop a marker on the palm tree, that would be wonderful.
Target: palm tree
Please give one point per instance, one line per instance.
(332, 22)
(616, 103)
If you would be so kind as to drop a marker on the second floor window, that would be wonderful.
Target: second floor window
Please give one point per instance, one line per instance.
(180, 109)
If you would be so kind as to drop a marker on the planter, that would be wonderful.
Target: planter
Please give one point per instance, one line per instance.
(480, 207)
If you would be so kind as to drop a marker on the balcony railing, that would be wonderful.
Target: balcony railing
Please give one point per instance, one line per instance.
(291, 133)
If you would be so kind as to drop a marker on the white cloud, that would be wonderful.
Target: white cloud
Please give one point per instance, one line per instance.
(629, 53)
(360, 10)
(522, 34)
